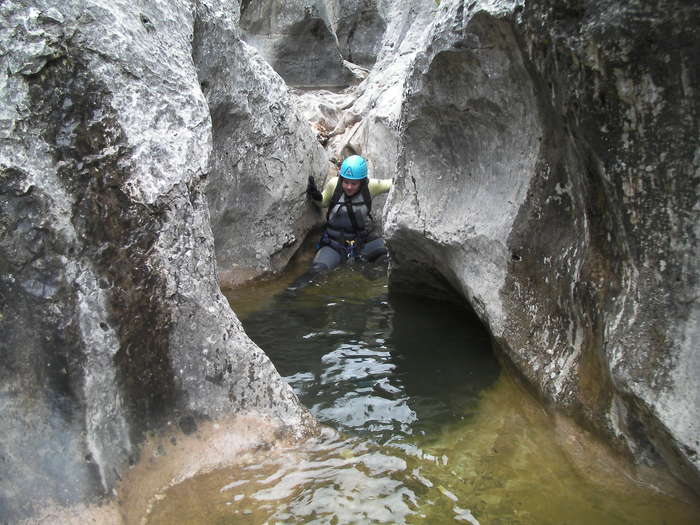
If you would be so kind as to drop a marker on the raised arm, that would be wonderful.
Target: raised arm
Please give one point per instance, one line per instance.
(328, 190)
(377, 186)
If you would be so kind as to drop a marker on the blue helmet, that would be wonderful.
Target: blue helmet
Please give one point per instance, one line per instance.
(354, 167)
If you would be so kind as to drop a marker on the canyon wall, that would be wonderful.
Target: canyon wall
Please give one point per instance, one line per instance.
(112, 323)
(545, 162)
(263, 151)
(548, 171)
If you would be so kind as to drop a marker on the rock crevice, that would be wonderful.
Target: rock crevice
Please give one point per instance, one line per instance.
(545, 165)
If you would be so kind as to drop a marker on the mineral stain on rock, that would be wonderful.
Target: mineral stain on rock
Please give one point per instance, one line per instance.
(117, 233)
(112, 314)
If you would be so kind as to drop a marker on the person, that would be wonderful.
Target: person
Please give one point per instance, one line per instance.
(348, 231)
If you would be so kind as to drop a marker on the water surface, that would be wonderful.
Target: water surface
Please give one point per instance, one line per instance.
(423, 426)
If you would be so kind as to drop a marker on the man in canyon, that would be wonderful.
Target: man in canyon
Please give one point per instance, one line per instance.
(348, 231)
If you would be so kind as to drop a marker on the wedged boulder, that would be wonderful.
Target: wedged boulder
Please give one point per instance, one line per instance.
(296, 38)
(263, 154)
(112, 321)
(547, 171)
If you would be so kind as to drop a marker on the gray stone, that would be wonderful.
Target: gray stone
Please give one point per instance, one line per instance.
(367, 116)
(296, 38)
(263, 154)
(112, 322)
(359, 26)
(547, 171)
(545, 161)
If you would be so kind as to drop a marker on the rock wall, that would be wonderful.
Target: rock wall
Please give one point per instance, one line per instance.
(111, 320)
(367, 116)
(296, 38)
(548, 171)
(545, 161)
(263, 153)
(359, 26)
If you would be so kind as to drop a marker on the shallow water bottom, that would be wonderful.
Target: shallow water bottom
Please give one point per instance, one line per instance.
(504, 466)
(422, 426)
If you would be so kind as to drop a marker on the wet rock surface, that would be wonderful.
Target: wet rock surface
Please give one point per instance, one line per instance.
(112, 320)
(548, 171)
(263, 153)
(545, 169)
(545, 162)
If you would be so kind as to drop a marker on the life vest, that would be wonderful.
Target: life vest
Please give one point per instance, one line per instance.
(349, 218)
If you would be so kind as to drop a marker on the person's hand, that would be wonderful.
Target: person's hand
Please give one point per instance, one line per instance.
(312, 190)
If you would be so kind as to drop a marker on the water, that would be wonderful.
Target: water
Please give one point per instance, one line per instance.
(370, 366)
(423, 426)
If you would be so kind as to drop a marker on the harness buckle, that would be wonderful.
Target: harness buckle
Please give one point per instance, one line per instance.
(350, 248)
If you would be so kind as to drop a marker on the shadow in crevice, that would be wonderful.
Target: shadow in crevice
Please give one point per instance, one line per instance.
(443, 355)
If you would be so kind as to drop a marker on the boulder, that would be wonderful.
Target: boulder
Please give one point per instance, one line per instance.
(112, 322)
(547, 171)
(296, 38)
(263, 153)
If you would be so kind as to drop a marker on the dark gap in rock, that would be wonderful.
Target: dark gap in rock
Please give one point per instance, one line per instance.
(244, 5)
(147, 23)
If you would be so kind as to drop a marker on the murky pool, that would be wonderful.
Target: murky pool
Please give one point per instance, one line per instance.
(423, 425)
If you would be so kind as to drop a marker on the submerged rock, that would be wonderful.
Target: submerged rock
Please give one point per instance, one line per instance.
(112, 322)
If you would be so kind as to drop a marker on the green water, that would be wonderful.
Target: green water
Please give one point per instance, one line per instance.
(423, 426)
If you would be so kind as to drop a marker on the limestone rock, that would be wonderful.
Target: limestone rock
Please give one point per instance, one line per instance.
(367, 116)
(370, 113)
(296, 38)
(263, 154)
(359, 26)
(112, 322)
(547, 170)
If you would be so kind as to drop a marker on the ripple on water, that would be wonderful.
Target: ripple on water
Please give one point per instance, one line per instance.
(453, 440)
(328, 480)
(504, 465)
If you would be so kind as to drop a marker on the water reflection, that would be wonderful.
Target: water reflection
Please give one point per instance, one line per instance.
(373, 364)
(428, 429)
(329, 480)
(504, 465)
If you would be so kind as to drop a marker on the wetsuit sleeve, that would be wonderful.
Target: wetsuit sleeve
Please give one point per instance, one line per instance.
(328, 190)
(377, 186)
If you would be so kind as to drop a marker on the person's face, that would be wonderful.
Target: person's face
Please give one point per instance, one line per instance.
(351, 187)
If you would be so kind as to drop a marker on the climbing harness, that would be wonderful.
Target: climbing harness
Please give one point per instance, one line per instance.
(348, 239)
(338, 193)
(349, 249)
